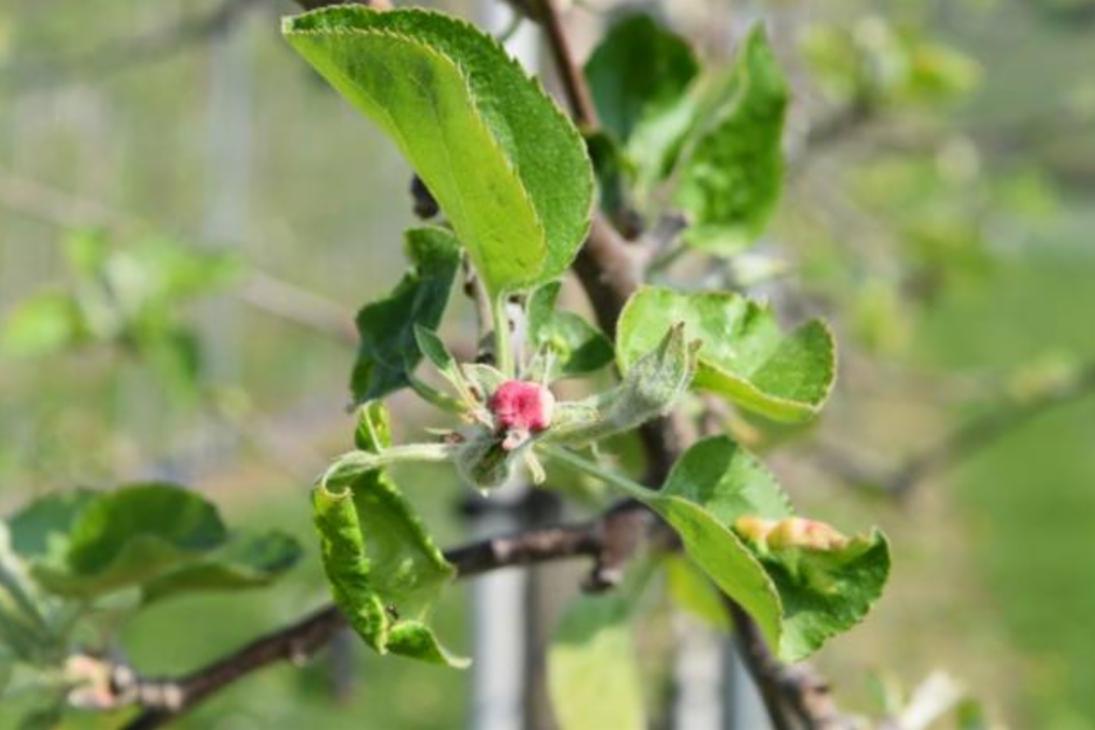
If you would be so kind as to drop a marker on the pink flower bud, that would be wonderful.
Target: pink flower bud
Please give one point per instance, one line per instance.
(521, 406)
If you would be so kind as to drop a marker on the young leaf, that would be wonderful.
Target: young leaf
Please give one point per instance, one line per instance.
(826, 583)
(435, 351)
(639, 75)
(383, 568)
(732, 178)
(649, 389)
(707, 540)
(723, 557)
(569, 344)
(593, 674)
(745, 357)
(506, 165)
(389, 348)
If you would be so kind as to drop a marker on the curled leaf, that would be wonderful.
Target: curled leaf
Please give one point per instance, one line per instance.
(384, 570)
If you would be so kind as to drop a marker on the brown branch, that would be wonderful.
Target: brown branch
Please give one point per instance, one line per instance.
(978, 434)
(959, 444)
(167, 699)
(299, 306)
(794, 696)
(570, 73)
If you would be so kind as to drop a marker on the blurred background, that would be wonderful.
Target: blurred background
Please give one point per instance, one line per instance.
(939, 210)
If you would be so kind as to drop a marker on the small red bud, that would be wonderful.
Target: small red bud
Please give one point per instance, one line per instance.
(519, 405)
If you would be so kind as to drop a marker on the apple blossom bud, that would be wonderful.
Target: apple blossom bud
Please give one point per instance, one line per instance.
(522, 407)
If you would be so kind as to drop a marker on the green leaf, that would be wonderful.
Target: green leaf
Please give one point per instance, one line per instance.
(160, 537)
(727, 480)
(388, 348)
(24, 632)
(639, 75)
(800, 580)
(382, 566)
(563, 340)
(707, 539)
(246, 561)
(131, 535)
(435, 351)
(732, 178)
(724, 558)
(505, 164)
(593, 676)
(42, 324)
(823, 589)
(42, 527)
(745, 357)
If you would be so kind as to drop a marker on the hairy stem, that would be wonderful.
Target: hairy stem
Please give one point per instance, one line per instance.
(353, 463)
(626, 485)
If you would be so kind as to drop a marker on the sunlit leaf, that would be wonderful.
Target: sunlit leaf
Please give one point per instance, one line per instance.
(693, 591)
(732, 178)
(508, 168)
(745, 357)
(593, 674)
(388, 348)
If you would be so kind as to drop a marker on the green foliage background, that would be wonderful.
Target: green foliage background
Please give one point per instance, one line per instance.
(992, 579)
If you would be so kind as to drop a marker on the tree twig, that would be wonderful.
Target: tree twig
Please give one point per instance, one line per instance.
(570, 73)
(167, 699)
(961, 443)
